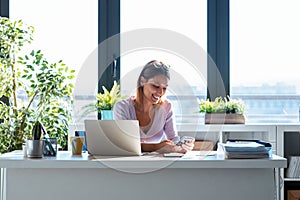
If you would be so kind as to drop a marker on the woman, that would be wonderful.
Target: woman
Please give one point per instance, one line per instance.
(153, 111)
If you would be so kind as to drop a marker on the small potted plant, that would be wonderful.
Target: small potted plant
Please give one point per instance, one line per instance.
(223, 111)
(35, 145)
(105, 102)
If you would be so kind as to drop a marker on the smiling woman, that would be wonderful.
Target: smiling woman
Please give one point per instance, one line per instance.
(153, 111)
(154, 77)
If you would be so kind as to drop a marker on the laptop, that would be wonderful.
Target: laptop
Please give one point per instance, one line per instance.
(113, 137)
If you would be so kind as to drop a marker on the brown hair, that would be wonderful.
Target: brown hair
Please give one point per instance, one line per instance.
(151, 69)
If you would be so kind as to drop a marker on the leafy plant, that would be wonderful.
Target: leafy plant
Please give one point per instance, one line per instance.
(222, 105)
(49, 87)
(107, 99)
(36, 89)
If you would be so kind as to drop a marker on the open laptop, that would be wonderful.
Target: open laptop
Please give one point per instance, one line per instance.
(113, 137)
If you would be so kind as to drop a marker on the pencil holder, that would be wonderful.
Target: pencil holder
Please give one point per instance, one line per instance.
(50, 147)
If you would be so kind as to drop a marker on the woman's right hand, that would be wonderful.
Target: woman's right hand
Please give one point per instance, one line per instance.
(167, 146)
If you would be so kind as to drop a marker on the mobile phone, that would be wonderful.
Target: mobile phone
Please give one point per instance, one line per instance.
(184, 139)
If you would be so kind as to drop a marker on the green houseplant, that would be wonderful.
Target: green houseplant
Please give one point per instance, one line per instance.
(223, 110)
(35, 89)
(35, 144)
(105, 101)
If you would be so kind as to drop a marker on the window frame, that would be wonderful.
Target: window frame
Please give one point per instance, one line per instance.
(218, 48)
(108, 59)
(4, 8)
(108, 26)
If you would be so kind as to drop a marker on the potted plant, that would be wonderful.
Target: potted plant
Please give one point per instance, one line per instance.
(35, 90)
(35, 144)
(223, 111)
(105, 102)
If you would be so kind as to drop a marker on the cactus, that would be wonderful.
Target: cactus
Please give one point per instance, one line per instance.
(37, 131)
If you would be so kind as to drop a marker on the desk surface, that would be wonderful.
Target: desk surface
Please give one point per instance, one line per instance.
(195, 159)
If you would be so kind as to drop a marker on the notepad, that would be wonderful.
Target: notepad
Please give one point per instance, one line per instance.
(244, 146)
(173, 154)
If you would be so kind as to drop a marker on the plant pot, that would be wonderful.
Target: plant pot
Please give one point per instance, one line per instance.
(35, 148)
(224, 118)
(107, 115)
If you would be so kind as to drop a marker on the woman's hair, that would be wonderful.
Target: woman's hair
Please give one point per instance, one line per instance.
(151, 69)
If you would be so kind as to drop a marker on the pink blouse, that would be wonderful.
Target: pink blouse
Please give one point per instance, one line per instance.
(163, 125)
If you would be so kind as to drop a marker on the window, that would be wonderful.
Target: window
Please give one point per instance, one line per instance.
(263, 49)
(183, 22)
(67, 30)
(264, 42)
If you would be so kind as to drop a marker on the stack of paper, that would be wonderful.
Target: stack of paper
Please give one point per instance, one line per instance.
(245, 149)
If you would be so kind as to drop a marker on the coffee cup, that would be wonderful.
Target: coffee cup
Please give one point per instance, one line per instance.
(77, 144)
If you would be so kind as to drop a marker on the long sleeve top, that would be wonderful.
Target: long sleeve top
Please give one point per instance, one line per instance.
(163, 125)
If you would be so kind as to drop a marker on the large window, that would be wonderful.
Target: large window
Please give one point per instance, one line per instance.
(184, 23)
(264, 60)
(67, 30)
(263, 48)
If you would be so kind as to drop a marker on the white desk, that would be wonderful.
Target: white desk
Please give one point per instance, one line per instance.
(147, 177)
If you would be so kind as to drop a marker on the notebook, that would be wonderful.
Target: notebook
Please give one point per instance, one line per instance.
(113, 137)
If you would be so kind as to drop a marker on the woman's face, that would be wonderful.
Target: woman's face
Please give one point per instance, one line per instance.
(155, 88)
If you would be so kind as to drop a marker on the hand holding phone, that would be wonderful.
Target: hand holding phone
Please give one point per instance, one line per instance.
(184, 139)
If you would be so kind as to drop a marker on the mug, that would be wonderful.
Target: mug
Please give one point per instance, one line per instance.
(77, 144)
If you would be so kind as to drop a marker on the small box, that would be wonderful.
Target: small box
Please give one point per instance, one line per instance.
(293, 194)
(203, 145)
